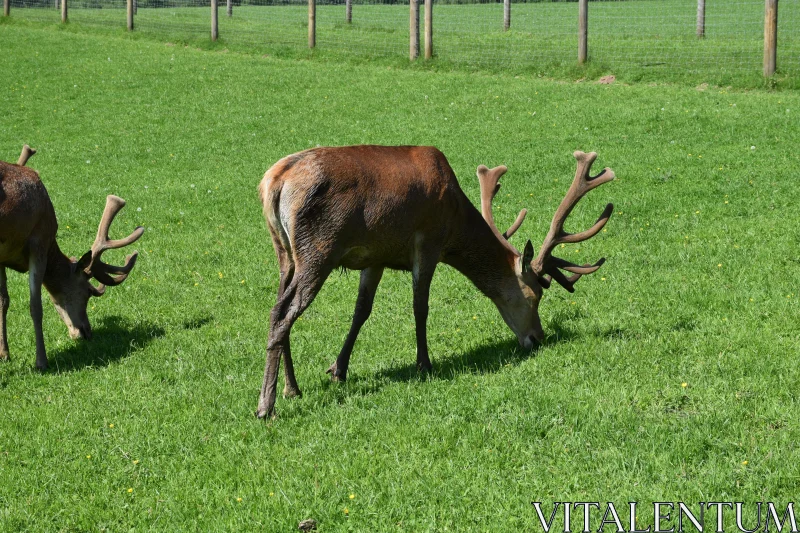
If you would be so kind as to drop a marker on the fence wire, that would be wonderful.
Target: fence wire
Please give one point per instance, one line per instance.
(646, 34)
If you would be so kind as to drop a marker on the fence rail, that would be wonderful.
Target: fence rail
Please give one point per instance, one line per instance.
(688, 35)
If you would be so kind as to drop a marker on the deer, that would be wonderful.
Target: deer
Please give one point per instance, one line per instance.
(28, 229)
(369, 208)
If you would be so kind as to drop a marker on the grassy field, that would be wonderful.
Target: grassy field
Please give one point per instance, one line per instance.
(669, 375)
(638, 40)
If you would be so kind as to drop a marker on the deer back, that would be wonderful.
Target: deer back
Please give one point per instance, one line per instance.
(26, 214)
(360, 205)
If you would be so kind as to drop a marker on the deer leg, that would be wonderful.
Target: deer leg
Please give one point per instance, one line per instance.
(36, 270)
(422, 275)
(4, 303)
(370, 278)
(290, 387)
(296, 298)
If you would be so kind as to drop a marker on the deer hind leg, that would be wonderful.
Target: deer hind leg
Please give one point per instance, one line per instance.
(296, 298)
(370, 278)
(286, 265)
(424, 265)
(4, 303)
(36, 268)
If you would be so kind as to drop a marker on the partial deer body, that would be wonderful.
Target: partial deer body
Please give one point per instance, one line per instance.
(370, 208)
(28, 229)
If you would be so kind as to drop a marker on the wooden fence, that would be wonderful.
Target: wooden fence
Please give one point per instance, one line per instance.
(582, 26)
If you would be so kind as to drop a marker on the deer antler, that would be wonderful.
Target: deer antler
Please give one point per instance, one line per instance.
(102, 271)
(489, 181)
(26, 154)
(545, 263)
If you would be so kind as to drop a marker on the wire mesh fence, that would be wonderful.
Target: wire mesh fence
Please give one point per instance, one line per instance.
(646, 34)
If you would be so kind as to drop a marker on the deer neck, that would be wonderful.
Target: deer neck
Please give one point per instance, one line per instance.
(59, 268)
(479, 255)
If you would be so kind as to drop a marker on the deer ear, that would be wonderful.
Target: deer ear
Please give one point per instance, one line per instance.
(84, 261)
(527, 257)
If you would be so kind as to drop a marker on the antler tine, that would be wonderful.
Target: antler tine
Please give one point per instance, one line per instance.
(102, 274)
(517, 223)
(545, 263)
(26, 154)
(102, 243)
(102, 271)
(489, 182)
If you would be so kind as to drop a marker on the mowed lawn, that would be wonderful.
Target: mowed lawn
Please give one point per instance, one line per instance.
(669, 375)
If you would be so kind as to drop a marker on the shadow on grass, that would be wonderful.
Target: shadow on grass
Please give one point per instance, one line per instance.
(112, 340)
(486, 359)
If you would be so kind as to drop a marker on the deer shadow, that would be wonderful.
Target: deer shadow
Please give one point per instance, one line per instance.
(113, 339)
(486, 359)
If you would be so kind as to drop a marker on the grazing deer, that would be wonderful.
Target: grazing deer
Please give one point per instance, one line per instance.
(374, 207)
(28, 244)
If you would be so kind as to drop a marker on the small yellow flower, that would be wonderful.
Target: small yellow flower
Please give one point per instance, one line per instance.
(242, 282)
(346, 510)
(352, 496)
(130, 490)
(111, 425)
(474, 318)
(238, 499)
(602, 279)
(697, 212)
(136, 461)
(719, 265)
(220, 275)
(744, 463)
(272, 494)
(196, 284)
(684, 385)
(88, 456)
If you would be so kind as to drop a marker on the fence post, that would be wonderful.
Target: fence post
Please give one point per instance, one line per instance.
(129, 10)
(413, 30)
(312, 23)
(214, 20)
(506, 14)
(583, 30)
(428, 29)
(348, 11)
(770, 36)
(63, 10)
(701, 18)
(6, 8)
(230, 8)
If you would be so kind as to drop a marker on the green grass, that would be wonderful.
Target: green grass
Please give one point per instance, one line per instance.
(637, 40)
(700, 287)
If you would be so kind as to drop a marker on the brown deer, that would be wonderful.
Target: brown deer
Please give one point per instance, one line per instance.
(28, 244)
(374, 207)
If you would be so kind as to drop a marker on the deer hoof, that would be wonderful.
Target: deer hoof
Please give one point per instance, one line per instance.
(4, 356)
(292, 392)
(425, 368)
(41, 366)
(336, 375)
(264, 410)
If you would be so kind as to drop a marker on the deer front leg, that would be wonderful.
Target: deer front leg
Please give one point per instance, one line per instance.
(295, 299)
(422, 275)
(4, 303)
(367, 287)
(36, 270)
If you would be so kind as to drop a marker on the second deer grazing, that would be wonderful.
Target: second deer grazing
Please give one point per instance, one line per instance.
(28, 244)
(369, 208)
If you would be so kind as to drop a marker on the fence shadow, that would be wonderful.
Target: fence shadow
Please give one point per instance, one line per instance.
(112, 339)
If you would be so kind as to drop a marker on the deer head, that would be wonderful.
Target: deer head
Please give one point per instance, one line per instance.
(519, 300)
(71, 297)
